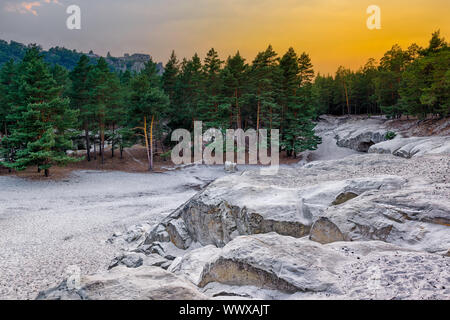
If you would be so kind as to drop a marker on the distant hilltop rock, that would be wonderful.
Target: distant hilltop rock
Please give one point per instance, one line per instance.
(134, 63)
(69, 58)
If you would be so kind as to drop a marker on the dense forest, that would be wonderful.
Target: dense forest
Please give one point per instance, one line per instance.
(44, 107)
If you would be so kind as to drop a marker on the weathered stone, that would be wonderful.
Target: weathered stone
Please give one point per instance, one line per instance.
(121, 283)
(414, 217)
(324, 231)
(344, 197)
(178, 233)
(252, 203)
(299, 268)
(230, 167)
(414, 146)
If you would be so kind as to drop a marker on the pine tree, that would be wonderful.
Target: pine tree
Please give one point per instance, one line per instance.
(148, 103)
(265, 75)
(42, 133)
(189, 94)
(7, 74)
(233, 78)
(7, 89)
(80, 98)
(209, 105)
(298, 108)
(99, 96)
(306, 71)
(169, 77)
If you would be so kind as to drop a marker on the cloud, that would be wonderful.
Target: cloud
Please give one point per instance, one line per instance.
(27, 7)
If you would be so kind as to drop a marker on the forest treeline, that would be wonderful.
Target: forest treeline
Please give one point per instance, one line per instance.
(412, 82)
(45, 108)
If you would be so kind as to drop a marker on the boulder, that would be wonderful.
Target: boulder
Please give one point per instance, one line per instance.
(282, 267)
(252, 203)
(413, 146)
(136, 260)
(122, 283)
(230, 167)
(324, 231)
(413, 217)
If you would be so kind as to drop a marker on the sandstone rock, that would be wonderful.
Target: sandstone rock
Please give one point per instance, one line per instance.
(413, 146)
(324, 231)
(265, 261)
(274, 266)
(413, 217)
(230, 167)
(121, 283)
(252, 203)
(178, 233)
(344, 197)
(136, 260)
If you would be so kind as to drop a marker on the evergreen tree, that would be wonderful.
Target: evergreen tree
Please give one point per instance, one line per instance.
(80, 98)
(148, 103)
(266, 75)
(233, 78)
(298, 108)
(42, 133)
(7, 74)
(209, 103)
(100, 92)
(169, 77)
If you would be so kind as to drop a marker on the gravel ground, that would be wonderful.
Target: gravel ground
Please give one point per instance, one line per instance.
(49, 226)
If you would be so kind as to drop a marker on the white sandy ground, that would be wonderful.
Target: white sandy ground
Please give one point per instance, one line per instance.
(48, 226)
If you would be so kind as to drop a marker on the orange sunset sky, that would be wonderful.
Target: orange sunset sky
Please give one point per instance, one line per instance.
(333, 32)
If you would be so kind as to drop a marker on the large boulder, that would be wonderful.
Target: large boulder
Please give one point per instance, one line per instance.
(413, 146)
(252, 203)
(360, 134)
(300, 268)
(415, 217)
(122, 283)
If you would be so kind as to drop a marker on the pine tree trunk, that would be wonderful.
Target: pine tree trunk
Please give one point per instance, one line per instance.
(88, 144)
(112, 143)
(95, 149)
(121, 152)
(151, 144)
(46, 172)
(346, 98)
(102, 142)
(238, 119)
(257, 116)
(146, 144)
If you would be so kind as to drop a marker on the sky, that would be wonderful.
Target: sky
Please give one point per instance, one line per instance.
(333, 32)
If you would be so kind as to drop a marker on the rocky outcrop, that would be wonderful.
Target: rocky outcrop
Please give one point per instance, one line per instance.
(355, 133)
(324, 231)
(413, 217)
(300, 267)
(254, 204)
(136, 260)
(414, 146)
(360, 140)
(122, 283)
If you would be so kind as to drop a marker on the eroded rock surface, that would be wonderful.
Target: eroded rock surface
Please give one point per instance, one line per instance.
(388, 203)
(122, 283)
(414, 146)
(303, 267)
